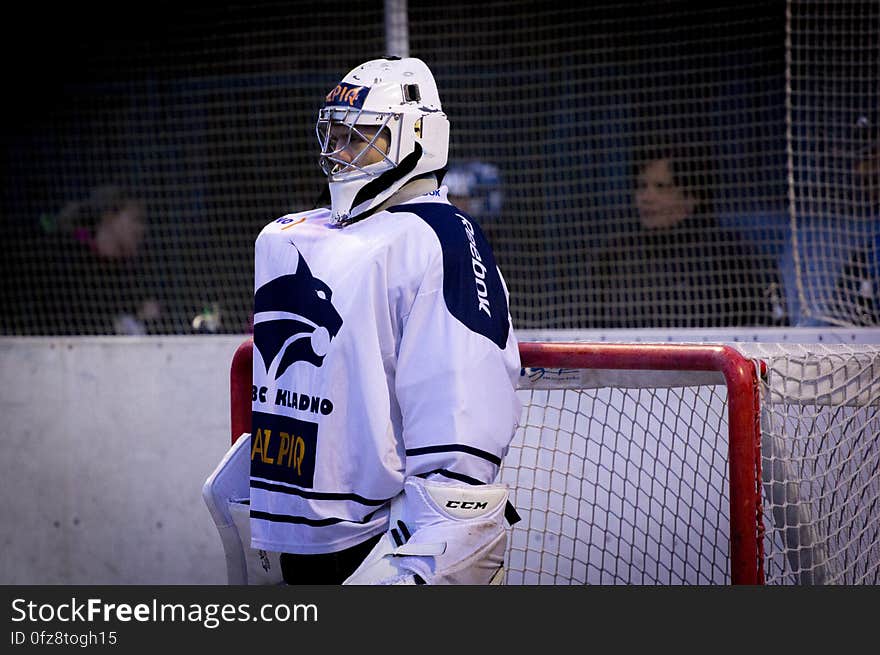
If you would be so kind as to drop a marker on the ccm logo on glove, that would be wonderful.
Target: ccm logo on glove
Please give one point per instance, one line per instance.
(465, 504)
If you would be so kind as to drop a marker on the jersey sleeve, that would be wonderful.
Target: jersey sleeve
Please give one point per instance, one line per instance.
(458, 361)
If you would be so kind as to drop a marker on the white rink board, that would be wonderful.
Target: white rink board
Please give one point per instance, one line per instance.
(106, 442)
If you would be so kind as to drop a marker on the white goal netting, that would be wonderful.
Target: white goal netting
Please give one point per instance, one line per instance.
(622, 477)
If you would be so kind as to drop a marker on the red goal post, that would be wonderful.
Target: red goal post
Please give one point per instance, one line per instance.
(542, 362)
(740, 376)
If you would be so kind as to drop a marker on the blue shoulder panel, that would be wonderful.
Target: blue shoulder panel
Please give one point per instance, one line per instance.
(472, 286)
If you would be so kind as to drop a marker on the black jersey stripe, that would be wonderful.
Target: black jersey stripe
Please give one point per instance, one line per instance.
(470, 450)
(317, 523)
(315, 495)
(461, 477)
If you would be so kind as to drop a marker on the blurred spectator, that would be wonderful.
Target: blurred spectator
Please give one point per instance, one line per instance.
(98, 277)
(678, 267)
(857, 299)
(475, 187)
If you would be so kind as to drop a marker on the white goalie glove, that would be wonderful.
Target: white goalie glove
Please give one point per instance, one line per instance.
(440, 533)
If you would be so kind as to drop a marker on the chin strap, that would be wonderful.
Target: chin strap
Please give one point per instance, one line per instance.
(385, 181)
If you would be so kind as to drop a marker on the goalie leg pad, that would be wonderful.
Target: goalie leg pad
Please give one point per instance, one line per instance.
(225, 493)
(440, 533)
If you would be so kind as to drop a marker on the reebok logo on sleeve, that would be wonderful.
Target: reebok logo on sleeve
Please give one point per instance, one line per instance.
(479, 269)
(472, 286)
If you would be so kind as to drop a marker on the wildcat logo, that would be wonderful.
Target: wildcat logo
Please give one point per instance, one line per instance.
(294, 320)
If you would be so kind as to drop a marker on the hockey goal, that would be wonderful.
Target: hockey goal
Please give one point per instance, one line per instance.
(687, 463)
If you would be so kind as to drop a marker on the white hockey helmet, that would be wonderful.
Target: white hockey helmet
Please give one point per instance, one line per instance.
(398, 98)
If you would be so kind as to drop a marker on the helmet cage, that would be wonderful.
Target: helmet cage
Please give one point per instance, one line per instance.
(340, 170)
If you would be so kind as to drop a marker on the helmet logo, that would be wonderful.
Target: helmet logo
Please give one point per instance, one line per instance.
(417, 127)
(344, 94)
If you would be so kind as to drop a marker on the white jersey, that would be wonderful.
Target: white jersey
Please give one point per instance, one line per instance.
(382, 350)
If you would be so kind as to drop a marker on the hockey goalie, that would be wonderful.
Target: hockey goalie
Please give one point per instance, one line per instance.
(384, 367)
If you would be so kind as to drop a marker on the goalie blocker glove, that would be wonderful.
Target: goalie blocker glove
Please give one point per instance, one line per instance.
(440, 533)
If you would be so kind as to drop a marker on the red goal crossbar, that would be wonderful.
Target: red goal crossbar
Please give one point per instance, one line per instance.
(743, 407)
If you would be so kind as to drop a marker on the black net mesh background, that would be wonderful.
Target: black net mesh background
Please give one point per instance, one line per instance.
(197, 122)
(204, 116)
